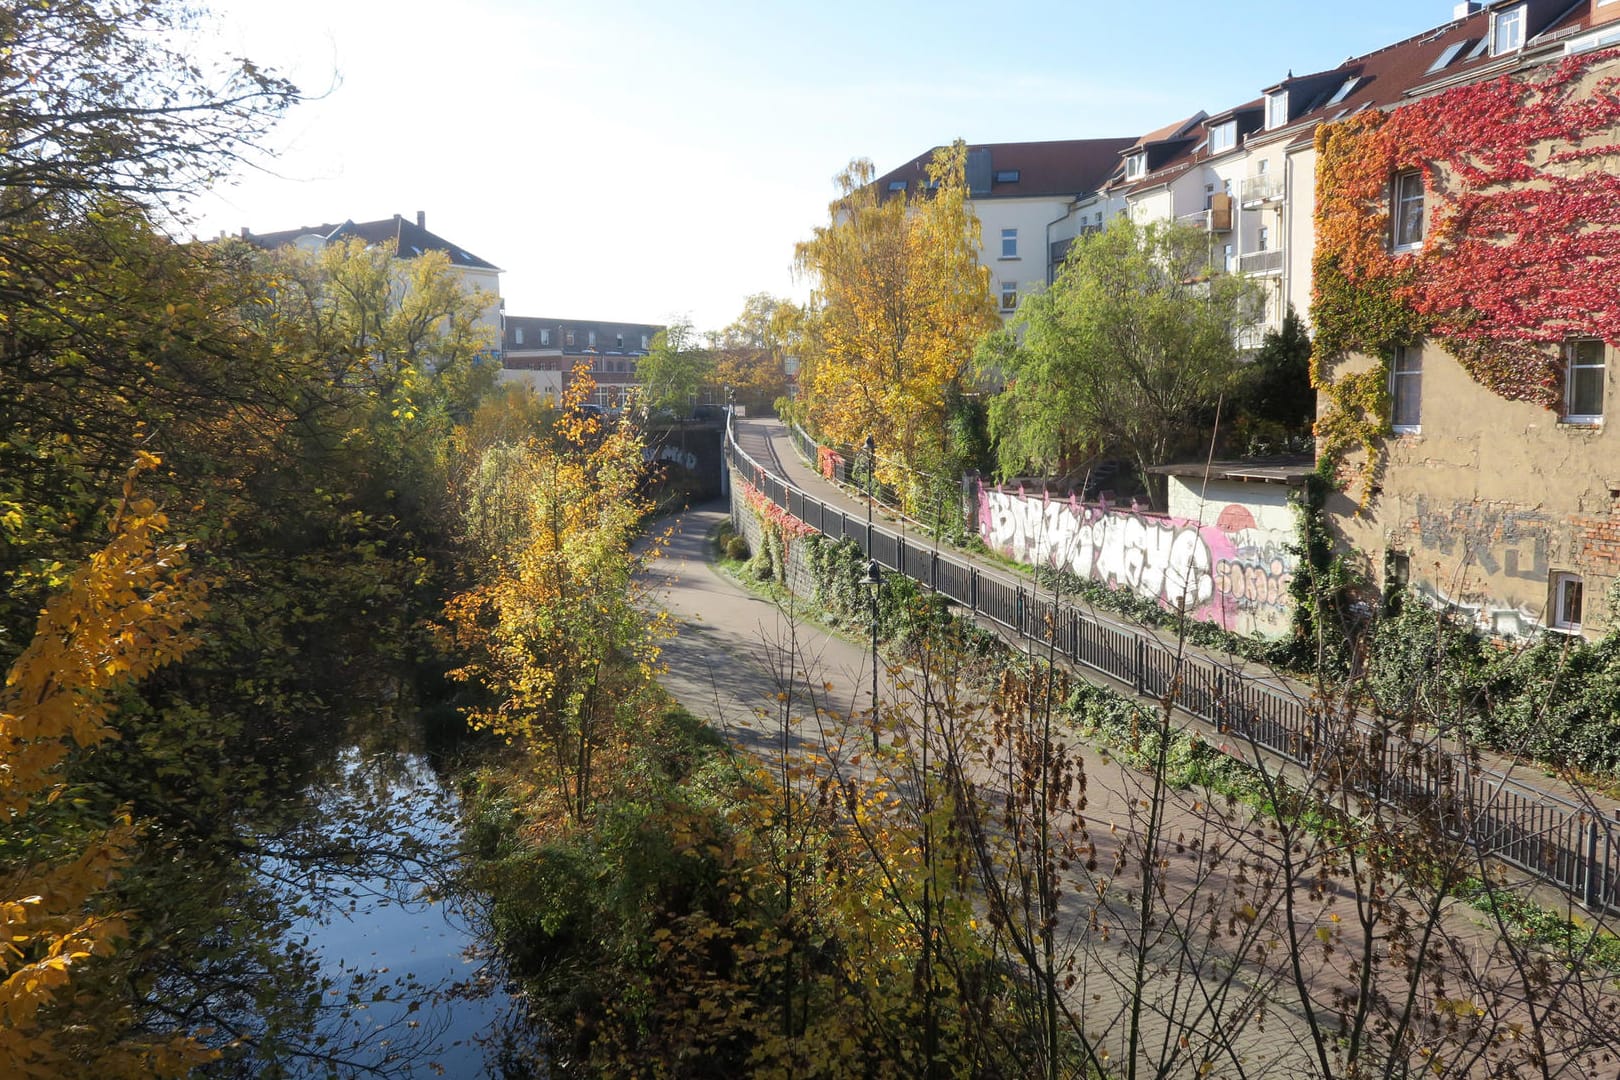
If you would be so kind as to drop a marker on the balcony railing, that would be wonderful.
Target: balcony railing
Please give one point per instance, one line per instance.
(1261, 262)
(1262, 188)
(1218, 219)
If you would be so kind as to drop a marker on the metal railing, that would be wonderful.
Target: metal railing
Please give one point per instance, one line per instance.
(1260, 262)
(1553, 838)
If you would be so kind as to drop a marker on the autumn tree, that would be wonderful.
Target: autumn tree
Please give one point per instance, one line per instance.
(554, 619)
(751, 353)
(898, 300)
(1124, 355)
(119, 617)
(675, 368)
(101, 102)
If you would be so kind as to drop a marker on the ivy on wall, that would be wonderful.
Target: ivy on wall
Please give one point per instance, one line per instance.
(1521, 250)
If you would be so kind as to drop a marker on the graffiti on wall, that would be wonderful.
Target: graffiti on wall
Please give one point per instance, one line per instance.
(1231, 572)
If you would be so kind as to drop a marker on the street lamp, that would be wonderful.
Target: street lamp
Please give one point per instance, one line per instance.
(873, 581)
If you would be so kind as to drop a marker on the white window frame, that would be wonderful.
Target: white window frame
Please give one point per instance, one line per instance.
(1574, 364)
(1135, 166)
(1565, 614)
(1276, 109)
(1009, 243)
(1223, 137)
(643, 342)
(1009, 289)
(517, 335)
(1401, 193)
(1262, 238)
(1406, 378)
(1507, 30)
(568, 338)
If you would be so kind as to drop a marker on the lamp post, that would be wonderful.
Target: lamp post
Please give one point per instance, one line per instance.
(873, 581)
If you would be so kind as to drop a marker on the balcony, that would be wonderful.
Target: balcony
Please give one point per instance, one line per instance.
(1215, 221)
(1261, 262)
(1262, 188)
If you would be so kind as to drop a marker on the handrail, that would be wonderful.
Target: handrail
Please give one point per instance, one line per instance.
(1556, 839)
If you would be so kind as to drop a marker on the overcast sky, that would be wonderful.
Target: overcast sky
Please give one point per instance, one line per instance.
(637, 161)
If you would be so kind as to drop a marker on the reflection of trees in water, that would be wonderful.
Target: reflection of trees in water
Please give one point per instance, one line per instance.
(274, 902)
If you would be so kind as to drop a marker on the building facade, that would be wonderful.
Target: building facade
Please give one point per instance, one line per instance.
(542, 353)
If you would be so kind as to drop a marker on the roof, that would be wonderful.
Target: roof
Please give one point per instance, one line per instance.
(1061, 168)
(608, 335)
(1419, 65)
(1278, 469)
(407, 239)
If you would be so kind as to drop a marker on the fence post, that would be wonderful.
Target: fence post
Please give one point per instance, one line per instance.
(973, 589)
(933, 572)
(1018, 609)
(1589, 894)
(1141, 665)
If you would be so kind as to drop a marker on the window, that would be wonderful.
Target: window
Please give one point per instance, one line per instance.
(1566, 601)
(1344, 90)
(618, 341)
(1406, 389)
(1222, 137)
(1136, 166)
(1009, 295)
(1007, 176)
(1277, 109)
(517, 335)
(1231, 259)
(1445, 58)
(568, 337)
(897, 185)
(643, 341)
(1407, 209)
(590, 338)
(1507, 30)
(1583, 381)
(1262, 240)
(545, 337)
(1009, 243)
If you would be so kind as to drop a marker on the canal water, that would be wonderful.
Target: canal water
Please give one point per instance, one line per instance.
(407, 988)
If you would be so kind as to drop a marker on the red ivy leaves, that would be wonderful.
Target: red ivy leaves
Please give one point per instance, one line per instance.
(1523, 245)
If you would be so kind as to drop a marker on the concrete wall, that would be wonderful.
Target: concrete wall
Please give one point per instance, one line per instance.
(1224, 562)
(1489, 499)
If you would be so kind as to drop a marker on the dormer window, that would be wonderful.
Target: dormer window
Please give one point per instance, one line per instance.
(1277, 109)
(517, 335)
(1222, 137)
(1136, 166)
(1507, 30)
(897, 185)
(1007, 176)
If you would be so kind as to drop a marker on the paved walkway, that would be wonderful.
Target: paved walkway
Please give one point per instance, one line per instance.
(783, 688)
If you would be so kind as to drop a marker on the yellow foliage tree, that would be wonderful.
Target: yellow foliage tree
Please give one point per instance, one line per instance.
(120, 617)
(898, 303)
(554, 521)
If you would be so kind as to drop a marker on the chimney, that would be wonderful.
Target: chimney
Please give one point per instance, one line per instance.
(245, 232)
(1466, 8)
(421, 219)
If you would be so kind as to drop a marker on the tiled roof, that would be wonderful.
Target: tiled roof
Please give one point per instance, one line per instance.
(407, 238)
(608, 336)
(1054, 168)
(1379, 80)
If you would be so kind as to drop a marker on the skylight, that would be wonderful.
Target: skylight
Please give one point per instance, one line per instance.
(1447, 57)
(1344, 91)
(897, 185)
(1006, 176)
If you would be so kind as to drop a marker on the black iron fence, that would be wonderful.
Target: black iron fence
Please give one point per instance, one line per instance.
(1554, 838)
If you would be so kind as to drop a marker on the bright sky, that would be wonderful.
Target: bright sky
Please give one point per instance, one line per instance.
(637, 160)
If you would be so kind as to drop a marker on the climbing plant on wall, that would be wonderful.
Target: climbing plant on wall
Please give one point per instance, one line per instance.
(1521, 252)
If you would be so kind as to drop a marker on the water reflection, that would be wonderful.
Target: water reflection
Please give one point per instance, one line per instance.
(401, 988)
